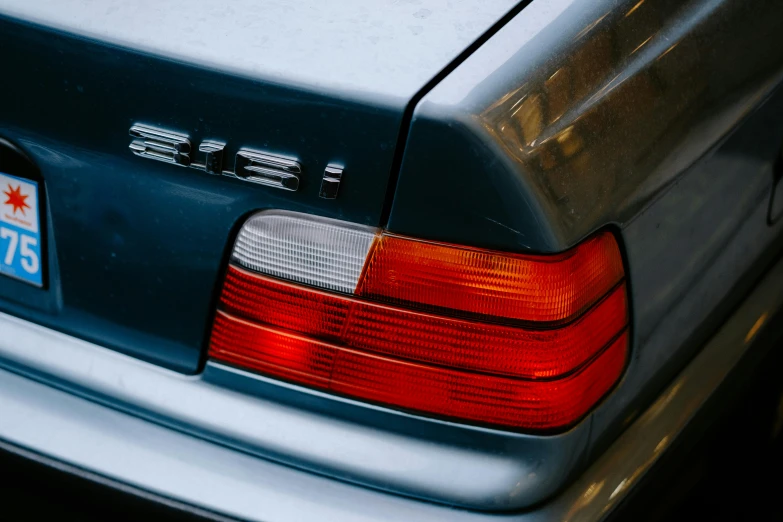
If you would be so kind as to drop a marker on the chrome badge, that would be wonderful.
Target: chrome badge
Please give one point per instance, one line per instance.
(249, 165)
(160, 145)
(259, 167)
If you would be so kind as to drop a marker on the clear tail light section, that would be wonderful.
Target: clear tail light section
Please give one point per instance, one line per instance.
(524, 342)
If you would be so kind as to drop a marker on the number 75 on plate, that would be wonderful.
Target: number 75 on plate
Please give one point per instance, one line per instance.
(20, 232)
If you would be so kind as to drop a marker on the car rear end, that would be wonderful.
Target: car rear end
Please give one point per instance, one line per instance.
(285, 262)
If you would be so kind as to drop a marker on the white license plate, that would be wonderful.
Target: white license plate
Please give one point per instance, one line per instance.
(20, 230)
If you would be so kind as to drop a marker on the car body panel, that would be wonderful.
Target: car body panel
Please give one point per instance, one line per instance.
(382, 448)
(653, 139)
(156, 233)
(670, 137)
(382, 51)
(294, 79)
(440, 460)
(577, 114)
(124, 450)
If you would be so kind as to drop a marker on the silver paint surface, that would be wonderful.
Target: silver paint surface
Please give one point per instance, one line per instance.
(580, 113)
(712, 216)
(430, 459)
(378, 49)
(657, 118)
(147, 455)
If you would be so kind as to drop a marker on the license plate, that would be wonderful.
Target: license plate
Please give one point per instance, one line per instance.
(20, 230)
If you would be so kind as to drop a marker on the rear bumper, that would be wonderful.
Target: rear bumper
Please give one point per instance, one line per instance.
(424, 458)
(45, 414)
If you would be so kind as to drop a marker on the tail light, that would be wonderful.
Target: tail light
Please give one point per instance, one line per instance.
(516, 341)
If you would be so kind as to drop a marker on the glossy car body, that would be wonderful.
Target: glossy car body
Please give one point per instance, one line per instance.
(521, 128)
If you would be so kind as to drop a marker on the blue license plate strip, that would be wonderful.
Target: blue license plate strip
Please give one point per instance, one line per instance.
(20, 230)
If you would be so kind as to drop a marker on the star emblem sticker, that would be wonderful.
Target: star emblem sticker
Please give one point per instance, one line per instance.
(16, 199)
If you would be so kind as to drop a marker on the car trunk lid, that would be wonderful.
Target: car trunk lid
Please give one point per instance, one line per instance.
(136, 247)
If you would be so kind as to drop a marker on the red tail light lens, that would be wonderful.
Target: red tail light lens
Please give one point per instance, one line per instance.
(517, 341)
(522, 287)
(470, 345)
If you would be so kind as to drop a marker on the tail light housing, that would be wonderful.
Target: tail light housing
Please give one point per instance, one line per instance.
(523, 342)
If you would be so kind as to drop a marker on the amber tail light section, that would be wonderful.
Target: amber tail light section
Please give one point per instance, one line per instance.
(513, 341)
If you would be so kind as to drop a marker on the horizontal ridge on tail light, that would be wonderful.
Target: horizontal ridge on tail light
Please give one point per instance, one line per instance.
(528, 342)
